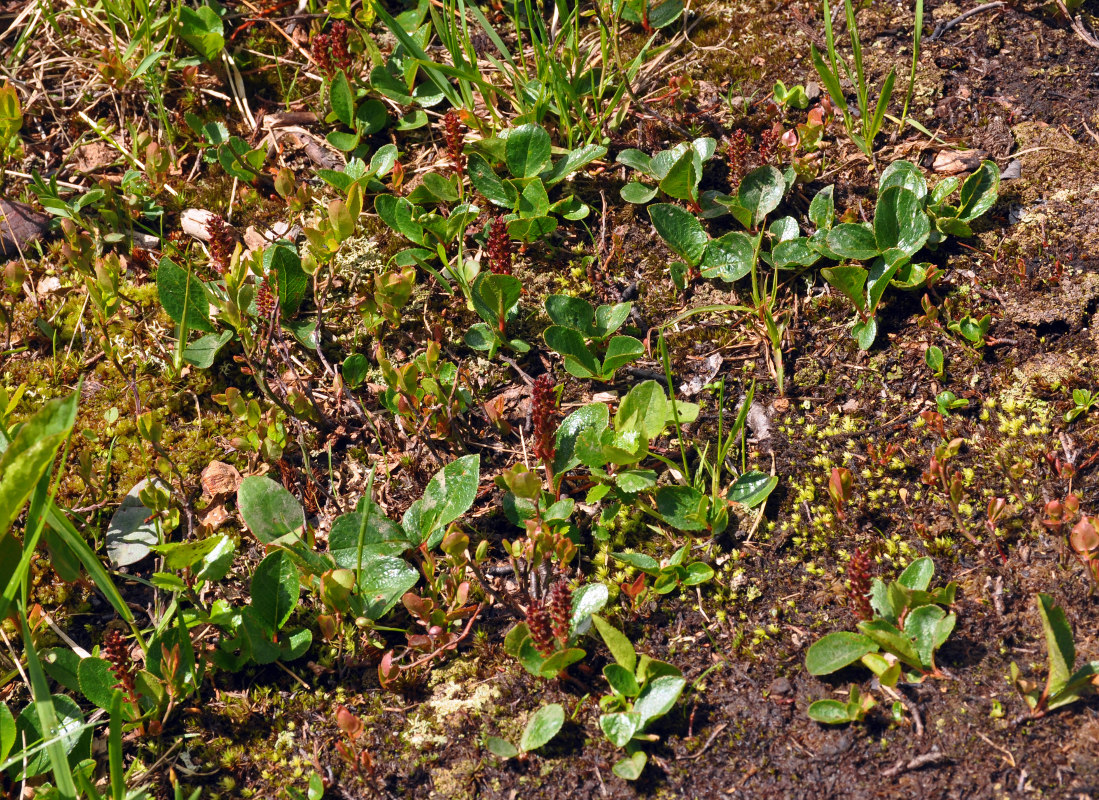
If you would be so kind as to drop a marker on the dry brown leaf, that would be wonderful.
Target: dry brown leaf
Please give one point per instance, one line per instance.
(219, 480)
(952, 162)
(93, 157)
(214, 517)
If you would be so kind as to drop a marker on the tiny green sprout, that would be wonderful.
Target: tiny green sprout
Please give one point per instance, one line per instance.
(933, 356)
(948, 401)
(794, 96)
(541, 727)
(670, 573)
(1083, 401)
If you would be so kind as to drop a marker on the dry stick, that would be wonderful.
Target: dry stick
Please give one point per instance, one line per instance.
(936, 756)
(945, 26)
(1078, 26)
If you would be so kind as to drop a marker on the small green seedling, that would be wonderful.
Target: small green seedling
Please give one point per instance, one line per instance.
(1083, 401)
(676, 172)
(642, 690)
(794, 96)
(933, 357)
(947, 401)
(495, 298)
(541, 727)
(909, 625)
(364, 116)
(1063, 685)
(672, 572)
(837, 712)
(971, 329)
(584, 337)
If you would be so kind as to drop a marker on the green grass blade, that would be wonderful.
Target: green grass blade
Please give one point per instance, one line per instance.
(47, 715)
(879, 111)
(917, 36)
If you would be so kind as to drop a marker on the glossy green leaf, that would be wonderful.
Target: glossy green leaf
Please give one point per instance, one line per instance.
(903, 175)
(531, 229)
(74, 736)
(501, 748)
(487, 182)
(682, 507)
(587, 600)
(752, 488)
(918, 574)
(380, 535)
(681, 230)
(850, 280)
(284, 264)
(621, 648)
(698, 573)
(641, 561)
(573, 160)
(542, 726)
(635, 159)
(621, 680)
(658, 697)
(834, 651)
(681, 181)
(447, 496)
(852, 240)
(900, 222)
(760, 193)
(979, 192)
(203, 30)
(202, 352)
(643, 410)
(275, 589)
(894, 641)
(922, 625)
(631, 767)
(594, 417)
(1059, 643)
(620, 727)
(7, 731)
(183, 297)
(638, 193)
(527, 149)
(133, 529)
(822, 209)
(354, 370)
(621, 350)
(571, 312)
(829, 712)
(30, 454)
(269, 511)
(729, 257)
(533, 201)
(383, 581)
(343, 101)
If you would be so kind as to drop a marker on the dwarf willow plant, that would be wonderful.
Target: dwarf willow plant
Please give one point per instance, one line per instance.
(642, 690)
(585, 337)
(526, 152)
(907, 218)
(909, 625)
(676, 172)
